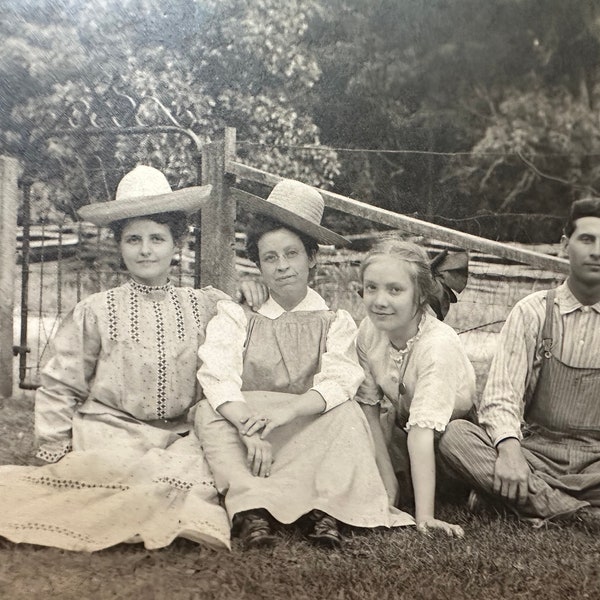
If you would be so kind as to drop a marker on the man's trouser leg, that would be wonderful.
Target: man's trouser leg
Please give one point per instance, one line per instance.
(468, 452)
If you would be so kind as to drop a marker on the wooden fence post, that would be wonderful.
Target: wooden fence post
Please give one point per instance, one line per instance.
(217, 258)
(9, 193)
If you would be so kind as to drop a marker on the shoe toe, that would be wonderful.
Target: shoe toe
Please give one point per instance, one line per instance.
(327, 540)
(259, 539)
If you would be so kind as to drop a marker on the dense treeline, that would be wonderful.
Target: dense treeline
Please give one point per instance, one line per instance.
(449, 110)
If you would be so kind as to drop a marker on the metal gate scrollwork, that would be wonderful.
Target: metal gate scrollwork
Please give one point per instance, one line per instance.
(61, 248)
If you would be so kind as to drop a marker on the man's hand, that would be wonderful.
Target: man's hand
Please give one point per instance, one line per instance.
(511, 472)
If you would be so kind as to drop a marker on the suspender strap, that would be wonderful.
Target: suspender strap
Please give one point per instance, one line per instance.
(547, 329)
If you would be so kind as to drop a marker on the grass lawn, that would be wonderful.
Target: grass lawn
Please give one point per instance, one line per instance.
(498, 558)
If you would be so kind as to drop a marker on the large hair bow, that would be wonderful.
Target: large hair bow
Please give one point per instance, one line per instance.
(450, 273)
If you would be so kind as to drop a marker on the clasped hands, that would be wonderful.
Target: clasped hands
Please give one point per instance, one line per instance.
(253, 431)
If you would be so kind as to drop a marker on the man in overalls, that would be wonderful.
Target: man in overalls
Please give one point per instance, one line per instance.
(537, 446)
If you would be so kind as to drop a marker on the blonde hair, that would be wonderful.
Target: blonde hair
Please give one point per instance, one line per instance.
(415, 256)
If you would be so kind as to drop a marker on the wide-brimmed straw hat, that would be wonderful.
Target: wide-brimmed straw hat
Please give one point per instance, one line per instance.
(145, 191)
(295, 204)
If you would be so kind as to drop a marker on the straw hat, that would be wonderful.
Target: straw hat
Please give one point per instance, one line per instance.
(142, 192)
(295, 204)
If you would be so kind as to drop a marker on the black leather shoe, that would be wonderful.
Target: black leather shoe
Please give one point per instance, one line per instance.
(325, 530)
(255, 529)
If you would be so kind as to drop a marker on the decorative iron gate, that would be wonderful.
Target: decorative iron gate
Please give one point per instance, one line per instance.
(62, 259)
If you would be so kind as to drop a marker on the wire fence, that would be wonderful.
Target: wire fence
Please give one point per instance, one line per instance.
(69, 262)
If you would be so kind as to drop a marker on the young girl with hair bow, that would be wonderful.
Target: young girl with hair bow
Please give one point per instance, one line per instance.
(414, 365)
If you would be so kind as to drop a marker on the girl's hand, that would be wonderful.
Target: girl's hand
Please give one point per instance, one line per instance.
(260, 455)
(448, 528)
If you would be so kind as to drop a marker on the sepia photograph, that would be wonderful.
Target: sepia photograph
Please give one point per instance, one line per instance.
(300, 299)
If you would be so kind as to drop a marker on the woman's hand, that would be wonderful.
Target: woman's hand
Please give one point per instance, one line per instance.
(253, 424)
(260, 455)
(450, 529)
(254, 293)
(277, 416)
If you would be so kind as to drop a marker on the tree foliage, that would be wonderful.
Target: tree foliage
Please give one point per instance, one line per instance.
(539, 144)
(510, 85)
(442, 108)
(207, 63)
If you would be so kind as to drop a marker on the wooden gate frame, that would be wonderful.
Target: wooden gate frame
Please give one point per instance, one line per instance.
(119, 114)
(9, 195)
(216, 244)
(220, 168)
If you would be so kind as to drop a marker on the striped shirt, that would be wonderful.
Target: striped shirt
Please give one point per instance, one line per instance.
(515, 368)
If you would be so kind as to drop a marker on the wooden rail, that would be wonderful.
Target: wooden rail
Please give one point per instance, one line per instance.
(9, 198)
(215, 250)
(412, 225)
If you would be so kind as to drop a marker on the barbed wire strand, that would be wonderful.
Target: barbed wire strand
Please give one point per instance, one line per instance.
(322, 148)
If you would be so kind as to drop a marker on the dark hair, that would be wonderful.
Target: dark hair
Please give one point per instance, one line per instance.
(176, 221)
(412, 254)
(261, 225)
(586, 207)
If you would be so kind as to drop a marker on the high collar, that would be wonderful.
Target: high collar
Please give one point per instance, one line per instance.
(146, 290)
